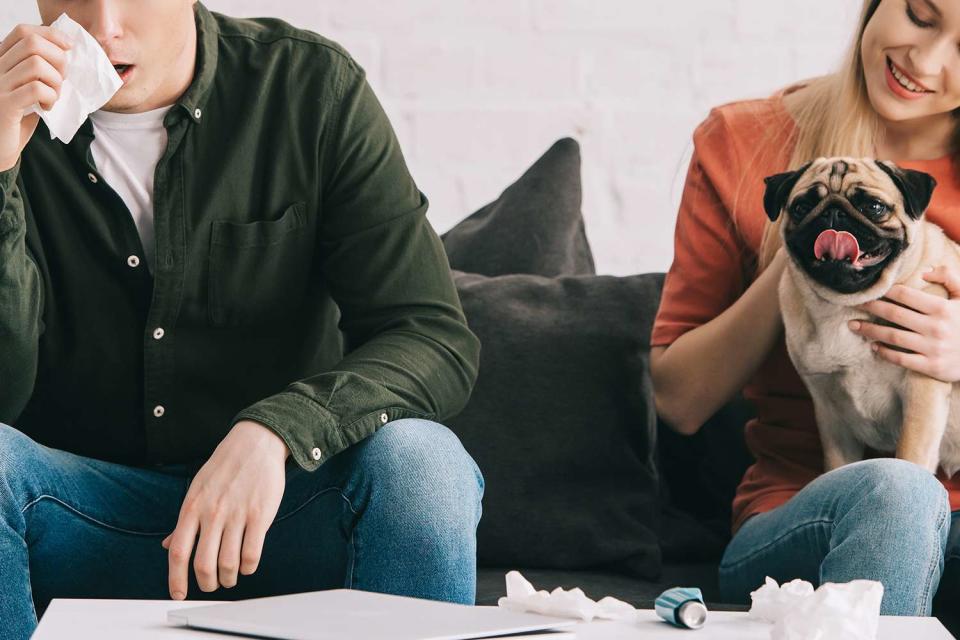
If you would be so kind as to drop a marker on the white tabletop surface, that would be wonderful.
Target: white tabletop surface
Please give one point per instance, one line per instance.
(147, 619)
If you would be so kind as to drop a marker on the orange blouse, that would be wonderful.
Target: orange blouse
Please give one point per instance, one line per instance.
(718, 232)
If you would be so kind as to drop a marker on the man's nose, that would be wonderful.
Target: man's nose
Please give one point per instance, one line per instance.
(102, 20)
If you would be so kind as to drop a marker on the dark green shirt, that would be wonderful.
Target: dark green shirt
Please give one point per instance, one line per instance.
(297, 281)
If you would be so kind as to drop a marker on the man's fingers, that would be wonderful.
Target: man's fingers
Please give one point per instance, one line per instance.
(35, 91)
(208, 551)
(181, 546)
(32, 69)
(21, 31)
(34, 45)
(230, 547)
(252, 546)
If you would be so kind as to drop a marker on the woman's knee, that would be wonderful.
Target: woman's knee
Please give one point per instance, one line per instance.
(896, 488)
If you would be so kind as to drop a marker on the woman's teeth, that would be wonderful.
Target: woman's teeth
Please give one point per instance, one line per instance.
(903, 80)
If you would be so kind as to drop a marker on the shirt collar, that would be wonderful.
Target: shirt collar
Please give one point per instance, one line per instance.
(194, 99)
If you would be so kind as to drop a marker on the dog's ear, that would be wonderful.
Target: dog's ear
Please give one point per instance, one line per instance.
(778, 190)
(916, 187)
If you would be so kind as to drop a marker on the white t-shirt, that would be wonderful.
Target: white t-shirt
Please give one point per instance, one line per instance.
(126, 149)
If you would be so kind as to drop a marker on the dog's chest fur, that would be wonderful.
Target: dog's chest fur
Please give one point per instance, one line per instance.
(840, 370)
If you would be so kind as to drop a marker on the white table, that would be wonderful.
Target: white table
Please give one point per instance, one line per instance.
(147, 620)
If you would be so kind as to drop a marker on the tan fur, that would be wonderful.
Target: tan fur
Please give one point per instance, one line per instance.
(859, 398)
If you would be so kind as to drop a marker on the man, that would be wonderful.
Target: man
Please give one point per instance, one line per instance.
(171, 283)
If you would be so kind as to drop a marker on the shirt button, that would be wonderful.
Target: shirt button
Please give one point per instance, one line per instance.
(158, 411)
(158, 333)
(316, 453)
(197, 113)
(384, 418)
(92, 177)
(133, 261)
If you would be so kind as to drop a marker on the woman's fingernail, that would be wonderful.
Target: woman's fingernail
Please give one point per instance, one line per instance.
(178, 595)
(928, 270)
(854, 324)
(874, 347)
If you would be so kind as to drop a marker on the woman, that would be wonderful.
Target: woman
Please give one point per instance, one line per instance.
(896, 98)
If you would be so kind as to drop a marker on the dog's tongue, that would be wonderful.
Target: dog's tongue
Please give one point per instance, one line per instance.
(836, 245)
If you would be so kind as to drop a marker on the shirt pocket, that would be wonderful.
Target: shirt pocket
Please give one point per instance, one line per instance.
(259, 271)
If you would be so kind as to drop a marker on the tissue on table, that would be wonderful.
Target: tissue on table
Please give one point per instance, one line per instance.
(521, 596)
(89, 81)
(848, 610)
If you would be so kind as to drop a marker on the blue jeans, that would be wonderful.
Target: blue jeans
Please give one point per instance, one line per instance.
(395, 513)
(882, 519)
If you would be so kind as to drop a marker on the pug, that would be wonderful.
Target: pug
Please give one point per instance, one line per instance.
(853, 228)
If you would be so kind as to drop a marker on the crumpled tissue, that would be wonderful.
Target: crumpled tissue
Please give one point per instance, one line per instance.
(89, 81)
(521, 596)
(849, 610)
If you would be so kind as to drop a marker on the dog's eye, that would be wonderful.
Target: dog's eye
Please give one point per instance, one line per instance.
(799, 208)
(873, 208)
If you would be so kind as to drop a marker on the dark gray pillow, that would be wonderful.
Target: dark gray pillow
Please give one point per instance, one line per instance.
(535, 226)
(562, 421)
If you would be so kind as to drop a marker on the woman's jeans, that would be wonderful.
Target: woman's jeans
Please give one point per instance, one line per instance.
(395, 513)
(881, 519)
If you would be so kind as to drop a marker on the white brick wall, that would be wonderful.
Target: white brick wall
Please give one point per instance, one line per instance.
(477, 89)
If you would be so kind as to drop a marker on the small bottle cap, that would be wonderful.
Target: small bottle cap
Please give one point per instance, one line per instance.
(692, 614)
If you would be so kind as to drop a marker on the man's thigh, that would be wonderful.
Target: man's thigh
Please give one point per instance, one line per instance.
(94, 531)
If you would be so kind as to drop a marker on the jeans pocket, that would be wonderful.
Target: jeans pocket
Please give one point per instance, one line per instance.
(259, 271)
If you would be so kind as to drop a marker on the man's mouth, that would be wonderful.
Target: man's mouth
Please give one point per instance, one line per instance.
(123, 70)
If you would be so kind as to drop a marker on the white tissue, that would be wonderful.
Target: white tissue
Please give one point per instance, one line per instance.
(772, 601)
(89, 81)
(521, 596)
(848, 610)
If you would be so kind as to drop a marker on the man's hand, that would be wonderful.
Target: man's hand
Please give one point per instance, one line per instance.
(231, 503)
(32, 62)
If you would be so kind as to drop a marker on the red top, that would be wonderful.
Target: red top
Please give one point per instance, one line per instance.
(718, 232)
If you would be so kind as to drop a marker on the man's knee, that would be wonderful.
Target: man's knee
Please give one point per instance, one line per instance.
(18, 462)
(424, 462)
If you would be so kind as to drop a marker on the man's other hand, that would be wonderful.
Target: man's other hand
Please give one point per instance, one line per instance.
(231, 503)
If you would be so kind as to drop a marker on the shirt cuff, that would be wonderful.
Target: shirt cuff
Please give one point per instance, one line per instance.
(8, 185)
(8, 180)
(310, 431)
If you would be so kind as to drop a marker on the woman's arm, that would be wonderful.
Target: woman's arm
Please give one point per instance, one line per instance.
(702, 369)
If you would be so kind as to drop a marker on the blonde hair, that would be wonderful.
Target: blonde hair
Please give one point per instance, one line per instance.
(834, 117)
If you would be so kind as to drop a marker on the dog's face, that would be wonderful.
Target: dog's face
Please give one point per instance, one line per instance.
(848, 221)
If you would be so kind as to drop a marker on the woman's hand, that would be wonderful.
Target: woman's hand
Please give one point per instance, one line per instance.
(930, 333)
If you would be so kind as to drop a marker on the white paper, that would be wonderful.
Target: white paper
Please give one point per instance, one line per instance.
(849, 610)
(521, 596)
(89, 82)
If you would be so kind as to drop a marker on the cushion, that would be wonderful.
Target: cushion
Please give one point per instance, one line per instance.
(534, 227)
(561, 420)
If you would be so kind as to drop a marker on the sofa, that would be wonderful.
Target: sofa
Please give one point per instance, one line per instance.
(585, 485)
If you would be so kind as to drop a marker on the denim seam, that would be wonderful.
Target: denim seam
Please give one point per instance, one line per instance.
(756, 552)
(83, 515)
(314, 497)
(934, 561)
